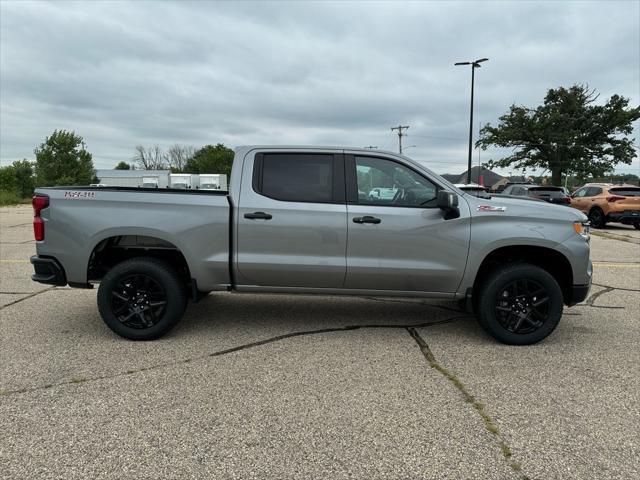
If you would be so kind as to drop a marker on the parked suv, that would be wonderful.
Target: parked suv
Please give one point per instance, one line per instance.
(606, 202)
(548, 194)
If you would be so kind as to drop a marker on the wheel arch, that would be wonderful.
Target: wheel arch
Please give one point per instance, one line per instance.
(549, 259)
(113, 247)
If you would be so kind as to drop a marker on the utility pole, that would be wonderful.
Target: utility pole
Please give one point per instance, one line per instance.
(400, 128)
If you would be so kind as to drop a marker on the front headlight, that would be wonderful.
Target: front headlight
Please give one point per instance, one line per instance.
(582, 229)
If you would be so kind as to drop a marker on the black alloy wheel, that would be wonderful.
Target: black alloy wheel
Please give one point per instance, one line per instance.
(518, 303)
(142, 298)
(522, 306)
(138, 301)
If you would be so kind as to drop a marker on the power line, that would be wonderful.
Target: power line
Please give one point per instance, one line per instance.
(400, 128)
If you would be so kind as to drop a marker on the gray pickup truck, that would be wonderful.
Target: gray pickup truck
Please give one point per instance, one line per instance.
(305, 220)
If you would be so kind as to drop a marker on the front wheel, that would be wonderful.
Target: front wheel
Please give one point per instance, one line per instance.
(597, 218)
(141, 298)
(636, 225)
(519, 304)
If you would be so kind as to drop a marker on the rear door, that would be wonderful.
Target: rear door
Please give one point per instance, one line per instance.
(401, 242)
(291, 223)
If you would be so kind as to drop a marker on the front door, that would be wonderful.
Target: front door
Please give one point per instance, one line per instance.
(291, 223)
(580, 200)
(398, 239)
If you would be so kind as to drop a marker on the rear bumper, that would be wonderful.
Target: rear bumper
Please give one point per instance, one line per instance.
(626, 216)
(48, 271)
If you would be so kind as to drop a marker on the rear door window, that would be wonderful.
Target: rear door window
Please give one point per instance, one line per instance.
(626, 191)
(297, 177)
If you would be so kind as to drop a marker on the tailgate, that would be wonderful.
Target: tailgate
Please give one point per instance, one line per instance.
(630, 197)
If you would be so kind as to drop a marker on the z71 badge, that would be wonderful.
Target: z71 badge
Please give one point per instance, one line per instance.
(79, 194)
(491, 208)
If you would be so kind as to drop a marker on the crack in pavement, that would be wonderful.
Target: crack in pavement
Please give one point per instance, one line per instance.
(613, 236)
(19, 225)
(17, 243)
(489, 423)
(616, 288)
(227, 351)
(590, 302)
(24, 298)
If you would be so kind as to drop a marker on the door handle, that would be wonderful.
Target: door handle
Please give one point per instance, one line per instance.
(366, 219)
(258, 215)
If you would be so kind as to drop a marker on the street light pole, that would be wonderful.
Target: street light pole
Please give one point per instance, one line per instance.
(475, 64)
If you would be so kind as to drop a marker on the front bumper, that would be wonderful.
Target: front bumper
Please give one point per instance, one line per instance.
(626, 216)
(48, 271)
(578, 294)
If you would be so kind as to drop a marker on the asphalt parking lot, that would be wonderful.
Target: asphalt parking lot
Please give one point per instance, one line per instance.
(256, 386)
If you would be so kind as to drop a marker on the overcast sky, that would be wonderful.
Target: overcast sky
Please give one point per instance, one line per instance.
(159, 72)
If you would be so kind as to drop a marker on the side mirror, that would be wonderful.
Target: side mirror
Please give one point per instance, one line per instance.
(448, 202)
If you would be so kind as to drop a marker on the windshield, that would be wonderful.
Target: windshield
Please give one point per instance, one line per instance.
(552, 192)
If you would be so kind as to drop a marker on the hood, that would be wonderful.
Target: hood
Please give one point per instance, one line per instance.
(523, 208)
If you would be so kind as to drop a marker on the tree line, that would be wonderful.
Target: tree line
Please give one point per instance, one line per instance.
(63, 159)
(183, 159)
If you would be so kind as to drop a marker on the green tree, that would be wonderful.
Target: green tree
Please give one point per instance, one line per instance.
(62, 159)
(122, 166)
(568, 133)
(210, 159)
(18, 178)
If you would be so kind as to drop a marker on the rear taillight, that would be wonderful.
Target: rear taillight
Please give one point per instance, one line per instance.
(615, 198)
(39, 202)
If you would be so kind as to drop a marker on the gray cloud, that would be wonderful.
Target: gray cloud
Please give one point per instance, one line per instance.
(122, 74)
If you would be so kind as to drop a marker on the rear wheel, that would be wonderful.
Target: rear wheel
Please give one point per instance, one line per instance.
(519, 304)
(141, 298)
(597, 218)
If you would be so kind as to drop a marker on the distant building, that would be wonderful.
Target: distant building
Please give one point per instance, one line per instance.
(481, 176)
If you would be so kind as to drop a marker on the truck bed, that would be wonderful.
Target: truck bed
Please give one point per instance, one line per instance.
(81, 220)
